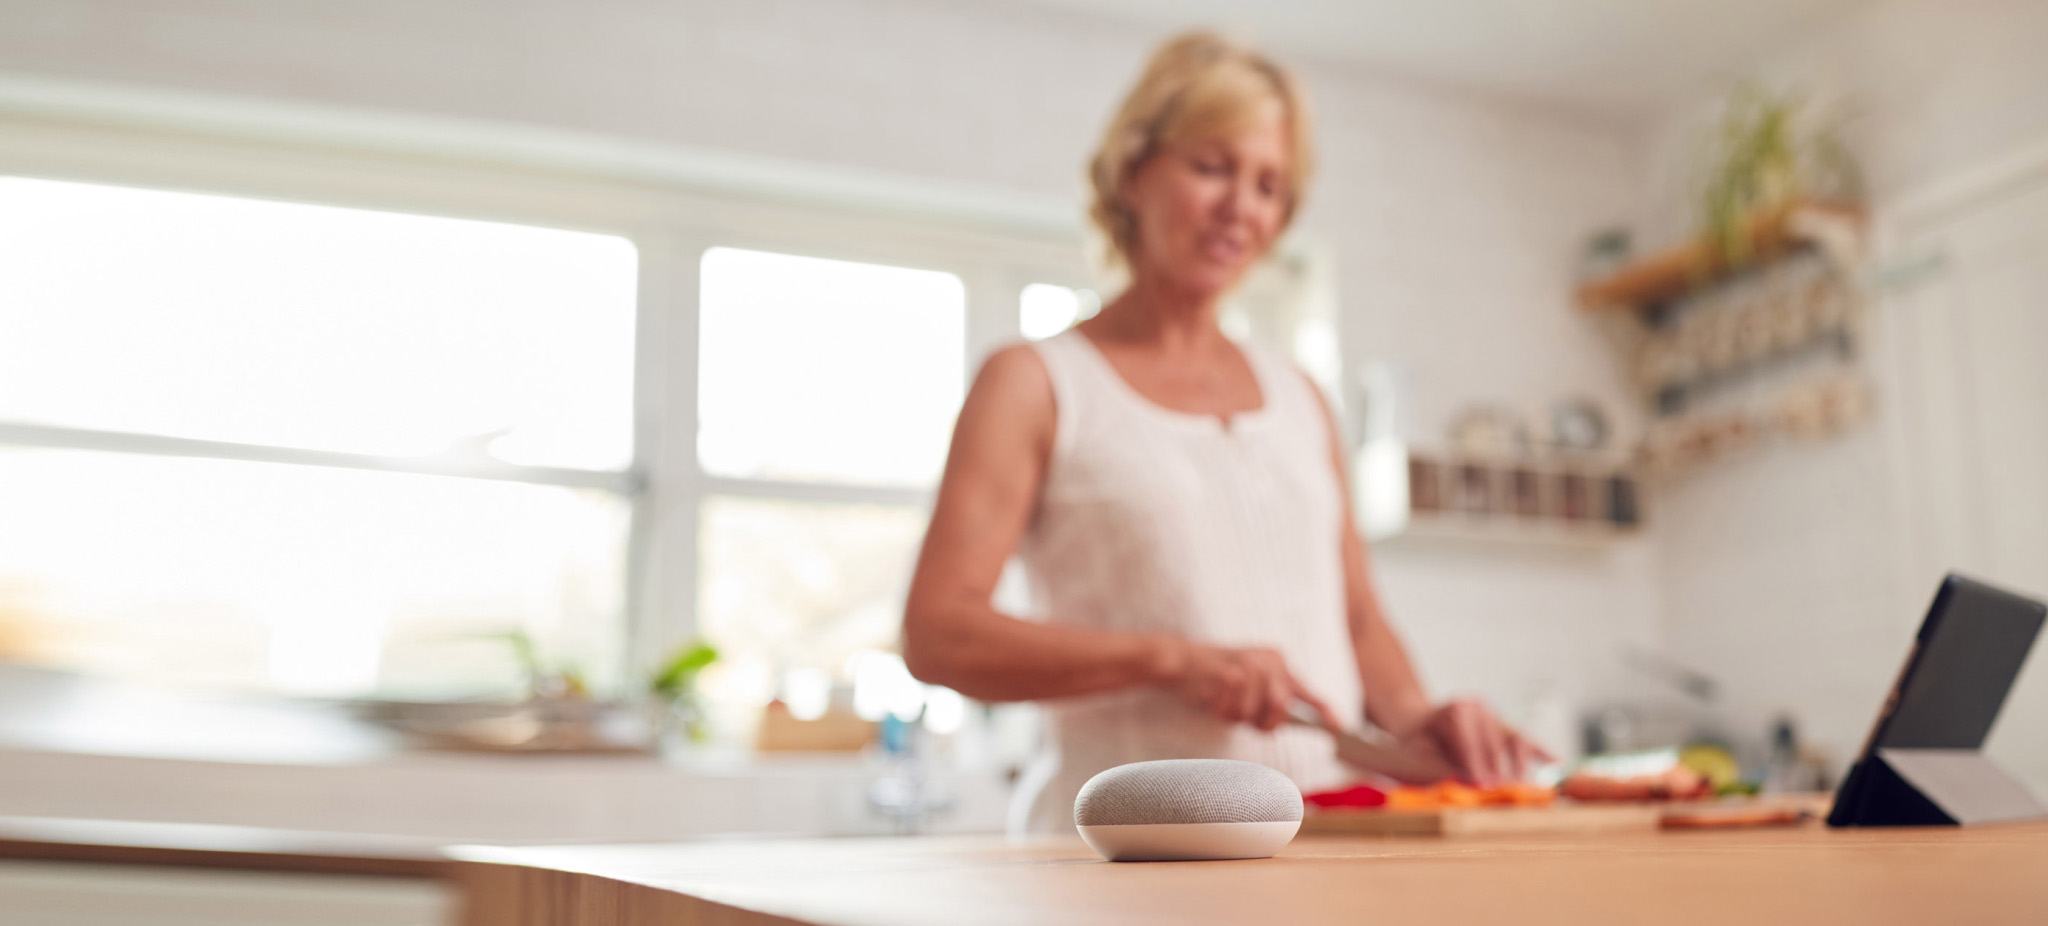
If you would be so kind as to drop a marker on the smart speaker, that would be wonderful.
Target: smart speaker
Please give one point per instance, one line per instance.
(1187, 809)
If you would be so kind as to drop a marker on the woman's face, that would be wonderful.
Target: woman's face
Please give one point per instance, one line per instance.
(1207, 210)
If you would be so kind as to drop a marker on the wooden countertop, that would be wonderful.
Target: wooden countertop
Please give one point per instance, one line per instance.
(132, 842)
(1808, 874)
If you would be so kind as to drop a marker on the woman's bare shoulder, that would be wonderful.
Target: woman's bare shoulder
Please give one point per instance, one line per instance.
(1010, 407)
(1015, 378)
(1006, 425)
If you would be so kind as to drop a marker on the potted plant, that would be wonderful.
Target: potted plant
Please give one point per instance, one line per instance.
(1768, 155)
(673, 693)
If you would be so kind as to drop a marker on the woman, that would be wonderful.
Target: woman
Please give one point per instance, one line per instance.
(1178, 499)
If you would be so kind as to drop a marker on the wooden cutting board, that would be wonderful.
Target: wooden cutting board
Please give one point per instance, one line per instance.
(1562, 817)
(1565, 816)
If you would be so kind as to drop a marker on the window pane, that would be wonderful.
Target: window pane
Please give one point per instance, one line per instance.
(301, 579)
(827, 370)
(1044, 310)
(788, 585)
(311, 326)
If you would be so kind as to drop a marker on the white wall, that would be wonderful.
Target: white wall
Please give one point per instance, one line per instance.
(1457, 223)
(1926, 90)
(1453, 219)
(1797, 574)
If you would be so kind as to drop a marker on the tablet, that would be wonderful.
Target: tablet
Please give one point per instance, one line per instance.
(1925, 744)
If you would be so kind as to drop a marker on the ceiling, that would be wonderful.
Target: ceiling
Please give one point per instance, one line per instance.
(1621, 56)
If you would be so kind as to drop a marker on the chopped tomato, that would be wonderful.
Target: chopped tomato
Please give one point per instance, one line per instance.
(1354, 796)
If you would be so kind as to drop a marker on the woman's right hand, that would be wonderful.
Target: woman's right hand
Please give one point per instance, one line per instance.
(1238, 684)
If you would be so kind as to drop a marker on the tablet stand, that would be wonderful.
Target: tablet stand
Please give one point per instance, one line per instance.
(1931, 787)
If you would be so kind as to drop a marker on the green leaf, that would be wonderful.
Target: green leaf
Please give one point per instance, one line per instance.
(682, 667)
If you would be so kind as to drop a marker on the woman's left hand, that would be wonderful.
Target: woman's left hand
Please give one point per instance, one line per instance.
(1485, 751)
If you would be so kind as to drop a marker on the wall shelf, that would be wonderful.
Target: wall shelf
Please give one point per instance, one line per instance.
(1723, 355)
(1644, 285)
(1523, 500)
(1508, 532)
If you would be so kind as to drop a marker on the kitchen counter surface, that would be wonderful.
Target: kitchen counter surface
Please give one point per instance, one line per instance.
(130, 842)
(1805, 874)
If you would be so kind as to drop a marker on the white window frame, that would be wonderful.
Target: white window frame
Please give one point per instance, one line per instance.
(672, 204)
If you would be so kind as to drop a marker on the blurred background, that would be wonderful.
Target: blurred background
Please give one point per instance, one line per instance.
(441, 421)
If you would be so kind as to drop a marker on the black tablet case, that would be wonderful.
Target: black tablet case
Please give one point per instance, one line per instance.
(1924, 764)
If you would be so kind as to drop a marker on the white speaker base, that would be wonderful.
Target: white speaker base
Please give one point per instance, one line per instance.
(1184, 842)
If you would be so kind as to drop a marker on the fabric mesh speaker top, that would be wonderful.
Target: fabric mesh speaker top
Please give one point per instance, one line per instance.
(1188, 791)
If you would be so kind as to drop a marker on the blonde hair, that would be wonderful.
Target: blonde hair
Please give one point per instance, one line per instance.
(1198, 86)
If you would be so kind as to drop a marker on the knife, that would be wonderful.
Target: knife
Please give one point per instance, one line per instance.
(1380, 758)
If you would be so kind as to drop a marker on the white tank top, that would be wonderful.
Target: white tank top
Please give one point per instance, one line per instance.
(1152, 519)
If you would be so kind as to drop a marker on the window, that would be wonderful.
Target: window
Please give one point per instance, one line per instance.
(283, 324)
(1044, 310)
(827, 371)
(308, 448)
(802, 587)
(827, 392)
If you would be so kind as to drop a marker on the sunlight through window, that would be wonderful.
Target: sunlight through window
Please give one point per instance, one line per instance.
(825, 370)
(312, 326)
(1044, 310)
(128, 316)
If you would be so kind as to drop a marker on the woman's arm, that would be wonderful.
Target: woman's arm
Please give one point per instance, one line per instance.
(952, 636)
(1394, 699)
(1484, 750)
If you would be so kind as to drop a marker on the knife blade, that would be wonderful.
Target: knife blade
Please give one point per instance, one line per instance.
(1381, 758)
